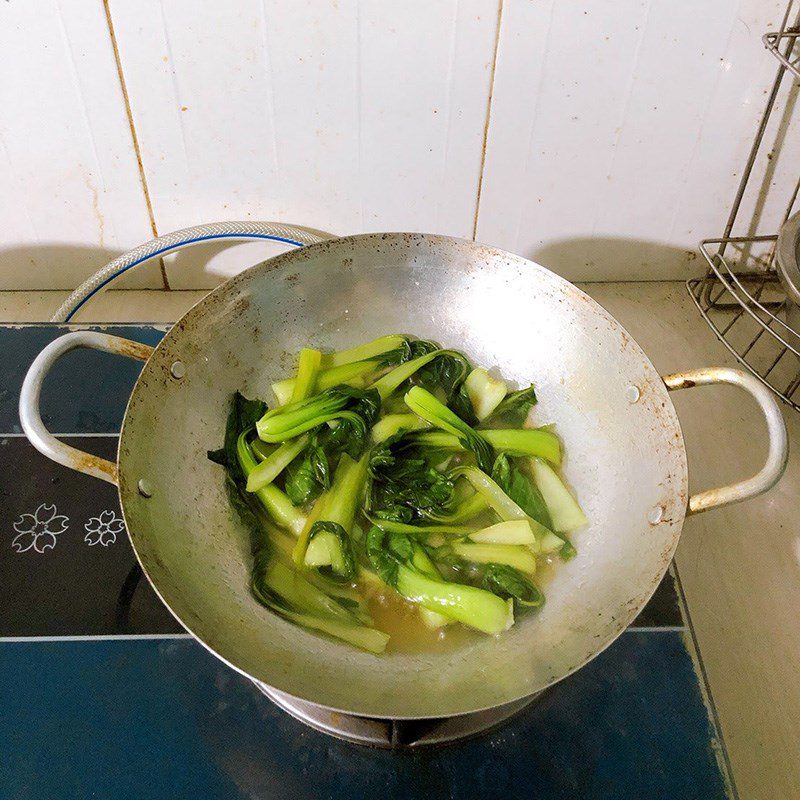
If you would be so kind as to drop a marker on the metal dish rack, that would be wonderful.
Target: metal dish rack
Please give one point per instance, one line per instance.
(740, 296)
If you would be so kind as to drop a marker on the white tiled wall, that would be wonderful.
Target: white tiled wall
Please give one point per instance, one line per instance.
(600, 139)
(70, 192)
(345, 116)
(618, 131)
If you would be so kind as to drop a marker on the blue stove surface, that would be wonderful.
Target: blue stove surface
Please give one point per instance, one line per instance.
(102, 695)
(163, 718)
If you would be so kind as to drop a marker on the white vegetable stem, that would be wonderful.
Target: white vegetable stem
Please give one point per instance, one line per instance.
(563, 507)
(513, 555)
(484, 391)
(514, 531)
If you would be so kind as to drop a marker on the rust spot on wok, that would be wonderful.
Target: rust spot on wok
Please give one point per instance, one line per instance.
(241, 305)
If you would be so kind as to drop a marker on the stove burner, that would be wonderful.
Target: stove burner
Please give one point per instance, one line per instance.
(394, 734)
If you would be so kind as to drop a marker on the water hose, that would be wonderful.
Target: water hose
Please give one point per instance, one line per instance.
(295, 235)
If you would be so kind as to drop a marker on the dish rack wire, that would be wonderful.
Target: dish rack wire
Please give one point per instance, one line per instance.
(740, 296)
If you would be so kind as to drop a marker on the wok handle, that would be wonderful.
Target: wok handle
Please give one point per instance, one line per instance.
(29, 413)
(778, 453)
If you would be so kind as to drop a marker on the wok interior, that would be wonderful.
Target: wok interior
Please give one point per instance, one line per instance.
(623, 459)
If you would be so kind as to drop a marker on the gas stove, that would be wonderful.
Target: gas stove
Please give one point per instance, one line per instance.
(102, 689)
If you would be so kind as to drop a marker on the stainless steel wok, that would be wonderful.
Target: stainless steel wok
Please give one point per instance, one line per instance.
(626, 457)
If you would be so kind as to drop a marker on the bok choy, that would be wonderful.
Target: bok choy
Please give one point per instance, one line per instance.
(396, 469)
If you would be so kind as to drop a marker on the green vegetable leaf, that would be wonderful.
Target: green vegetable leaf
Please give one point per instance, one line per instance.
(259, 585)
(375, 348)
(271, 498)
(308, 474)
(400, 545)
(320, 466)
(244, 506)
(293, 593)
(513, 409)
(568, 550)
(398, 355)
(444, 555)
(242, 416)
(383, 562)
(425, 368)
(384, 454)
(402, 477)
(424, 404)
(498, 500)
(351, 435)
(296, 599)
(506, 581)
(355, 408)
(218, 456)
(395, 526)
(421, 347)
(354, 373)
(462, 509)
(446, 374)
(248, 411)
(462, 406)
(521, 490)
(513, 441)
(344, 564)
(274, 461)
(393, 558)
(367, 405)
(394, 513)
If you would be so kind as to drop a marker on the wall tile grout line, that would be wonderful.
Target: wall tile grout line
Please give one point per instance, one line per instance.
(136, 147)
(487, 121)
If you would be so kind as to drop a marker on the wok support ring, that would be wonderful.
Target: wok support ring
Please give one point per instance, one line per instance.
(394, 734)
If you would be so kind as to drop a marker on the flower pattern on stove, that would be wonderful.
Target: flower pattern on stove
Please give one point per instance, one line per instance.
(103, 529)
(38, 531)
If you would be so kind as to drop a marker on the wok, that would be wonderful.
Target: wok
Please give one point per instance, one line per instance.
(625, 457)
